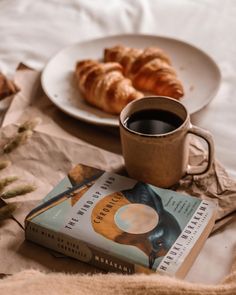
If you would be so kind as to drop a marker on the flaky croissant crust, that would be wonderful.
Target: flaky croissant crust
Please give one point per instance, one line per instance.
(104, 86)
(149, 69)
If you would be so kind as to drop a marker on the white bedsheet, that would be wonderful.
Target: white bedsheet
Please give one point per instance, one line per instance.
(32, 31)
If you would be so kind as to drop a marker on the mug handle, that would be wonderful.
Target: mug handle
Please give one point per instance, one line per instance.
(197, 170)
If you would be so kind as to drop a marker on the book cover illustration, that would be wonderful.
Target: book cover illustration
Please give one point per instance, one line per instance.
(136, 217)
(133, 221)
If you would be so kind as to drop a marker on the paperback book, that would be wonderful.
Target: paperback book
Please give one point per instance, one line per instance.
(120, 224)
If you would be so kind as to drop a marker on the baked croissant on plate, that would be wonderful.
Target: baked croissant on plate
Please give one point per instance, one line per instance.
(149, 69)
(104, 86)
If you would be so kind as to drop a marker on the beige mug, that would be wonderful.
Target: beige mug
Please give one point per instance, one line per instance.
(160, 159)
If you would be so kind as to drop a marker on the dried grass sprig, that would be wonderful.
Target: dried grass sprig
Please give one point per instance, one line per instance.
(6, 181)
(7, 210)
(4, 164)
(29, 125)
(18, 191)
(16, 141)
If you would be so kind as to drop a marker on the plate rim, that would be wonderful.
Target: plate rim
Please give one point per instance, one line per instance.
(115, 122)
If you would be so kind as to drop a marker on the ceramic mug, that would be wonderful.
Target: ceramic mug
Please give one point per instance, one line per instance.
(160, 159)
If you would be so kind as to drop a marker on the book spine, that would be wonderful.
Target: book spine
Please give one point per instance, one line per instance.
(77, 249)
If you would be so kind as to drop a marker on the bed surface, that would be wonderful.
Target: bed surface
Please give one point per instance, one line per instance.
(33, 31)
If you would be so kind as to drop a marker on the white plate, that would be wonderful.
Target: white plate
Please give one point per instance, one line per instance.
(198, 72)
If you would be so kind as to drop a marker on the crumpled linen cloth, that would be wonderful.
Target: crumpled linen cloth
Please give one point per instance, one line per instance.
(35, 282)
(57, 144)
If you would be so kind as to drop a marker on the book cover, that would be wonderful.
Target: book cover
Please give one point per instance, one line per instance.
(120, 224)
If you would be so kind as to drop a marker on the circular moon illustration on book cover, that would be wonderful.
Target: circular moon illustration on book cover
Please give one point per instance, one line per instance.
(136, 218)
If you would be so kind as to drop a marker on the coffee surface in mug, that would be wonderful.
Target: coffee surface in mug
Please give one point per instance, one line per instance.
(153, 121)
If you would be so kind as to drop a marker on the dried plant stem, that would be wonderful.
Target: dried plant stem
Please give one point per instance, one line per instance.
(18, 191)
(7, 210)
(29, 125)
(4, 275)
(4, 164)
(19, 139)
(6, 181)
(20, 225)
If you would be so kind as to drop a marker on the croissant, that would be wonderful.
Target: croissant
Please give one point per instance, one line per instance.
(7, 87)
(149, 69)
(104, 86)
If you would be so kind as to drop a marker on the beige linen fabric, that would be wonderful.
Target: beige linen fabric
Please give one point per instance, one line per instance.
(34, 282)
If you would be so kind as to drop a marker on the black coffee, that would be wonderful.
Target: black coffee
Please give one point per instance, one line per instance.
(153, 122)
